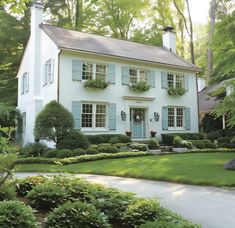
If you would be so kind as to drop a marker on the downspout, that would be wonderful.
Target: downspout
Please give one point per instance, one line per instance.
(199, 125)
(58, 77)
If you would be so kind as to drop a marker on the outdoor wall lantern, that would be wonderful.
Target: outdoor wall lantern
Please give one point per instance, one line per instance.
(123, 116)
(156, 116)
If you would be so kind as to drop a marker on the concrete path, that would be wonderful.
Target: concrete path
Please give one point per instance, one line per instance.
(209, 206)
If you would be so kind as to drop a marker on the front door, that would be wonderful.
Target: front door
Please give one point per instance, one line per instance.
(138, 124)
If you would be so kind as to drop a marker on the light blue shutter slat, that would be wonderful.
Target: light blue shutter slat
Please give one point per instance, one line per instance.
(77, 70)
(164, 80)
(112, 116)
(111, 73)
(187, 119)
(125, 75)
(52, 70)
(186, 85)
(76, 111)
(164, 118)
(151, 75)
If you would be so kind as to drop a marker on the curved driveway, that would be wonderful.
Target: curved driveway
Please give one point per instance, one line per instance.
(209, 206)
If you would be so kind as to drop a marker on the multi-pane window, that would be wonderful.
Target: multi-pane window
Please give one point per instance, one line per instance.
(91, 70)
(137, 75)
(175, 80)
(87, 115)
(48, 72)
(175, 117)
(25, 83)
(94, 115)
(100, 119)
(87, 71)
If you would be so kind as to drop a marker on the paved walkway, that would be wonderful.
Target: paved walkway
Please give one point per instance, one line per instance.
(209, 206)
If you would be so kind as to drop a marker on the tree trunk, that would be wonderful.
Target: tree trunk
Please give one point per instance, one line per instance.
(212, 14)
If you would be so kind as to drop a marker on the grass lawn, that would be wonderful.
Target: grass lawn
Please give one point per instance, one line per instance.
(197, 169)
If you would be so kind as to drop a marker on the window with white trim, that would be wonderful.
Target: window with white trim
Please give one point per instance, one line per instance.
(48, 73)
(25, 83)
(137, 75)
(175, 117)
(94, 71)
(175, 80)
(94, 115)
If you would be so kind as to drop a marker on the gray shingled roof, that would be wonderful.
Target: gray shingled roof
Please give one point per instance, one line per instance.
(79, 41)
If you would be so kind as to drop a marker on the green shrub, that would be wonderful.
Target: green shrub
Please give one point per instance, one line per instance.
(94, 146)
(214, 135)
(153, 144)
(179, 143)
(73, 140)
(47, 196)
(120, 139)
(168, 139)
(232, 140)
(108, 149)
(167, 224)
(96, 139)
(139, 147)
(210, 145)
(113, 203)
(76, 215)
(104, 138)
(104, 144)
(64, 153)
(52, 153)
(198, 144)
(78, 152)
(141, 211)
(7, 192)
(36, 161)
(119, 145)
(92, 151)
(14, 214)
(226, 145)
(224, 139)
(33, 150)
(24, 186)
(53, 122)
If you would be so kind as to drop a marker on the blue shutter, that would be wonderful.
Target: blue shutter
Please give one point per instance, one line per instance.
(112, 116)
(164, 80)
(77, 70)
(76, 111)
(52, 70)
(187, 119)
(164, 118)
(125, 75)
(186, 85)
(111, 74)
(151, 77)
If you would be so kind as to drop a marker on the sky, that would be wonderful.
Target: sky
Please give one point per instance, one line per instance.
(199, 10)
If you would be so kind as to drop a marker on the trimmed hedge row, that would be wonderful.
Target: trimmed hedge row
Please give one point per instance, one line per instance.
(168, 139)
(104, 138)
(82, 158)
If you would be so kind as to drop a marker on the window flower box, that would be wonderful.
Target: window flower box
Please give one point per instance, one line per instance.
(140, 86)
(96, 84)
(173, 91)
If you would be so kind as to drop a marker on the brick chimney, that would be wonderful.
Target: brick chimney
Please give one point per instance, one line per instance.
(169, 39)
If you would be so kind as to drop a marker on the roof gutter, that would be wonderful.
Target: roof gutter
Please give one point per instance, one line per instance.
(195, 70)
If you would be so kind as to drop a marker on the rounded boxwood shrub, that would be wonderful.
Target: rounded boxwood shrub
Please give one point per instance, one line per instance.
(26, 185)
(78, 152)
(167, 224)
(210, 145)
(76, 215)
(52, 153)
(47, 196)
(33, 150)
(141, 211)
(153, 144)
(108, 149)
(16, 214)
(64, 153)
(139, 147)
(91, 150)
(73, 140)
(7, 193)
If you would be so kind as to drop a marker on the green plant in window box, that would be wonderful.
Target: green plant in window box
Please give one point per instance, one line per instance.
(140, 86)
(96, 84)
(174, 91)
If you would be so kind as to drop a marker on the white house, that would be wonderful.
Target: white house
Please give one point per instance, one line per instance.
(57, 62)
